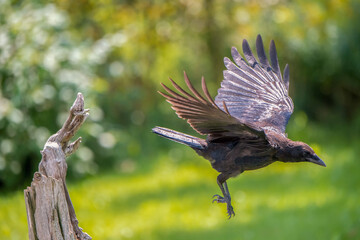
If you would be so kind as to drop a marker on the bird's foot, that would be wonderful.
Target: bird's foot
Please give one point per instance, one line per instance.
(230, 210)
(220, 199)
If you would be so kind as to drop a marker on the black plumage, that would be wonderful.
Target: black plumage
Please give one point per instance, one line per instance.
(245, 125)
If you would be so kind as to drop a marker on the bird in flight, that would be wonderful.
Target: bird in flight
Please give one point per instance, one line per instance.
(245, 125)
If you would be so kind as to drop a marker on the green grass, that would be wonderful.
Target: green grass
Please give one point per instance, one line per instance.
(172, 199)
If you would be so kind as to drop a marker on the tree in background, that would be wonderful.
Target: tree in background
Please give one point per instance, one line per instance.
(42, 67)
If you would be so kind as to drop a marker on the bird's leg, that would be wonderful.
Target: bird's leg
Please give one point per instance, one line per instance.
(221, 180)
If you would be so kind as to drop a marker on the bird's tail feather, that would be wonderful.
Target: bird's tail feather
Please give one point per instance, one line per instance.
(179, 137)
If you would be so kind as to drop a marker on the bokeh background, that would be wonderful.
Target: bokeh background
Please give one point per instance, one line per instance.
(127, 183)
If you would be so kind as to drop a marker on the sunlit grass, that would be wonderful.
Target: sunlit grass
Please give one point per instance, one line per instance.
(13, 223)
(172, 200)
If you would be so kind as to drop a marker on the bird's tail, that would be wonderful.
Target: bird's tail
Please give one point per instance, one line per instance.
(194, 142)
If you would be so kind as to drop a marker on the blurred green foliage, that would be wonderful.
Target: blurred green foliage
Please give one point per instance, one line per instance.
(117, 52)
(42, 66)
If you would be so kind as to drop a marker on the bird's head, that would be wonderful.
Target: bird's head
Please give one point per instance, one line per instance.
(304, 153)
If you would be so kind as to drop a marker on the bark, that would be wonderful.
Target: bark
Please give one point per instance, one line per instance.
(50, 212)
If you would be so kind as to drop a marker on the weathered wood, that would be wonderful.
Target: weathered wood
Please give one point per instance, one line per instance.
(50, 212)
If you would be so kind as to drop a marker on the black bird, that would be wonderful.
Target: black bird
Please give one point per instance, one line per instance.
(245, 125)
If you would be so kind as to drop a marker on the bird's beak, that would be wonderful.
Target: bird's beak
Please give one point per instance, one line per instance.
(315, 159)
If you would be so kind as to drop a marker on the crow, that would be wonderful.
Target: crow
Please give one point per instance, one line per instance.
(245, 125)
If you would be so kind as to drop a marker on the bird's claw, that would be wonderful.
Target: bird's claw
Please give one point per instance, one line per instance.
(220, 199)
(230, 211)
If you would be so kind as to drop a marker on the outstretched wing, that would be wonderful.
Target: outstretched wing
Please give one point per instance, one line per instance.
(254, 92)
(203, 114)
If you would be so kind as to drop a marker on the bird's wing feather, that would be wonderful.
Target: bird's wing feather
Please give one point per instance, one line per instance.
(203, 114)
(254, 92)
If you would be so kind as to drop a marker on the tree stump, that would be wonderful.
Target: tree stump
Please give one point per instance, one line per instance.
(50, 213)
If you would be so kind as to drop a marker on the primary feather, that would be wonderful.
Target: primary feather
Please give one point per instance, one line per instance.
(254, 92)
(204, 115)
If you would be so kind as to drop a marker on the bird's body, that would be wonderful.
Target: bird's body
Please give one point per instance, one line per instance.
(238, 155)
(245, 125)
